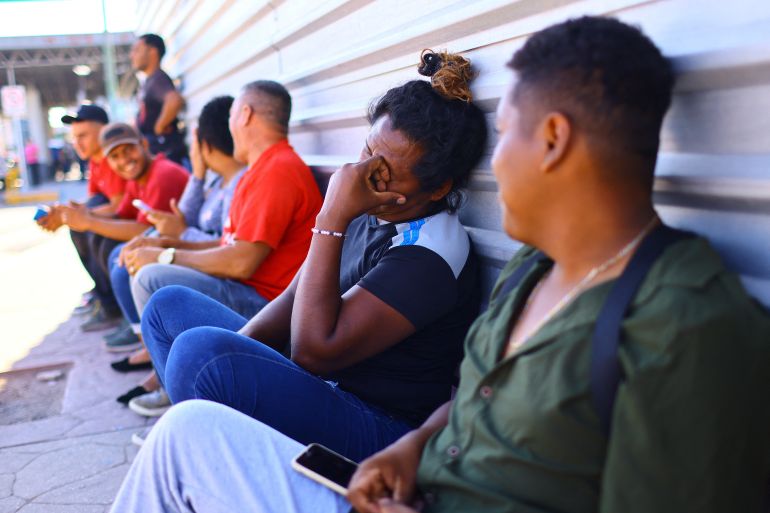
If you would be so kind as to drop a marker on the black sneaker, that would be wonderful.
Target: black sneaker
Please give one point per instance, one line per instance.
(100, 320)
(122, 341)
(87, 305)
(117, 332)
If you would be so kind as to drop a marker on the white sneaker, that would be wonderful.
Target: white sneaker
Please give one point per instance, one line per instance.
(139, 438)
(153, 404)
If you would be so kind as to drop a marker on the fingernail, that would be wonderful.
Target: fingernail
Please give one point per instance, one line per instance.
(401, 200)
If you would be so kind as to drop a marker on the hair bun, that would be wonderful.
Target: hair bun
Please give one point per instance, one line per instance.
(430, 63)
(450, 74)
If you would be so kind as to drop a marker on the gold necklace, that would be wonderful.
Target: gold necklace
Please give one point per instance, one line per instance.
(574, 291)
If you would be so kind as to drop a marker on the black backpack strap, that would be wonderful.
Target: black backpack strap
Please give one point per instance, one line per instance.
(606, 373)
(515, 278)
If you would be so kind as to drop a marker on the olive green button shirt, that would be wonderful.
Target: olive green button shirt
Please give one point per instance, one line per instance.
(690, 423)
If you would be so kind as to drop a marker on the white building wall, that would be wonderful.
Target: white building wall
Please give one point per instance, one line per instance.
(335, 56)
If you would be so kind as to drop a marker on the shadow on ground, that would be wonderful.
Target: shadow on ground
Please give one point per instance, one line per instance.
(74, 459)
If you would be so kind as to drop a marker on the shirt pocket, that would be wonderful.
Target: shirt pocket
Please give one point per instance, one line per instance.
(541, 405)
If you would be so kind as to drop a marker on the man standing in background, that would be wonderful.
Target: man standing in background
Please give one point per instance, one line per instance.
(159, 101)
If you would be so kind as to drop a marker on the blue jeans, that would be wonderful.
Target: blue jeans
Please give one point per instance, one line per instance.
(121, 287)
(198, 355)
(236, 295)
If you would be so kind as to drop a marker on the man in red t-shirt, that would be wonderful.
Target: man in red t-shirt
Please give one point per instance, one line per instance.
(152, 180)
(105, 190)
(267, 234)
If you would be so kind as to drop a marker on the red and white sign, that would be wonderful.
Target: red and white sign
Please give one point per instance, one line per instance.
(14, 101)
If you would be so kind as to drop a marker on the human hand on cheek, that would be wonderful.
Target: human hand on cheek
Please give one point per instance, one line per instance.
(355, 189)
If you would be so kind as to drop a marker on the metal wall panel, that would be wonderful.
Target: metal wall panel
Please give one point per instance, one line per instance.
(335, 56)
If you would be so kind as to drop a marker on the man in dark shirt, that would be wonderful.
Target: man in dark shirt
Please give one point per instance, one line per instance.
(159, 101)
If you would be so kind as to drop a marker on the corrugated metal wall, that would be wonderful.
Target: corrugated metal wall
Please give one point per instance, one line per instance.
(337, 55)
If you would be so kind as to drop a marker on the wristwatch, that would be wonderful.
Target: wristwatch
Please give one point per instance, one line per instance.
(166, 256)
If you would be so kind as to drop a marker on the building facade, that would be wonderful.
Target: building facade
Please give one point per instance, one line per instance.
(335, 56)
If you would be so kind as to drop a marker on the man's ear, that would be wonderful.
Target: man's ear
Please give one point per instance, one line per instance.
(247, 113)
(555, 132)
(145, 145)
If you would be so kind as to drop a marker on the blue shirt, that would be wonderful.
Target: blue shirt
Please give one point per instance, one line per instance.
(205, 207)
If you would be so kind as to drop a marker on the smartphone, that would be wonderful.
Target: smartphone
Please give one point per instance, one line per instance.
(141, 205)
(326, 467)
(41, 211)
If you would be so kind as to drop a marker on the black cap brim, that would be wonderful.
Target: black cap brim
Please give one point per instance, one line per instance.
(87, 113)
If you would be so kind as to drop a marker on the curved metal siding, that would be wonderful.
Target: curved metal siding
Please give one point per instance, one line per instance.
(336, 55)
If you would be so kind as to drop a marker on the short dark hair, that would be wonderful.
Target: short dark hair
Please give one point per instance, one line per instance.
(155, 41)
(607, 77)
(213, 125)
(451, 132)
(272, 101)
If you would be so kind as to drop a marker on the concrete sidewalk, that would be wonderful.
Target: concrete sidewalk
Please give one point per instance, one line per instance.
(73, 459)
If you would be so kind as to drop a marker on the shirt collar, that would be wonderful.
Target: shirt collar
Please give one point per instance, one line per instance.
(690, 263)
(271, 150)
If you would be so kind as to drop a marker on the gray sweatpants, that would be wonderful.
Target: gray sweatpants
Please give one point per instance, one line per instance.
(207, 458)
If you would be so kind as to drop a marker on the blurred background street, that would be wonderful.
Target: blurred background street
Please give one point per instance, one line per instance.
(40, 276)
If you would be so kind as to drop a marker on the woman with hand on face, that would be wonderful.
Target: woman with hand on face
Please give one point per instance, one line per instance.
(198, 218)
(375, 319)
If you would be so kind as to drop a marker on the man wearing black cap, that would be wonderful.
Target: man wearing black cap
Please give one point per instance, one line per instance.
(159, 101)
(102, 180)
(105, 191)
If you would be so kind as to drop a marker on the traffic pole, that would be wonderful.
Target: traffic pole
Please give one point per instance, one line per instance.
(19, 138)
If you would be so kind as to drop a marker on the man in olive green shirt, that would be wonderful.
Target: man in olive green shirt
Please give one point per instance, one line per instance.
(579, 133)
(523, 435)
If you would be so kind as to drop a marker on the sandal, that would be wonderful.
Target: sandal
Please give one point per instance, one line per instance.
(125, 365)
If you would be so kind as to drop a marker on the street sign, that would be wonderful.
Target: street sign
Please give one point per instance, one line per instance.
(14, 101)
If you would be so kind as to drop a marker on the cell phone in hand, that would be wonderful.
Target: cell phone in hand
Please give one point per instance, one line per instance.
(326, 467)
(41, 212)
(141, 205)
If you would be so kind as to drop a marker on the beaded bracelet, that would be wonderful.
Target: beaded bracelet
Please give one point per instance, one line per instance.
(328, 232)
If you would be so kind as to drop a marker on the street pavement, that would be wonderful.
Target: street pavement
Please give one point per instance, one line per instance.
(74, 460)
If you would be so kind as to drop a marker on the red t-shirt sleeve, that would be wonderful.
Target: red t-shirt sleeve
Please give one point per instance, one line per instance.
(92, 190)
(268, 211)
